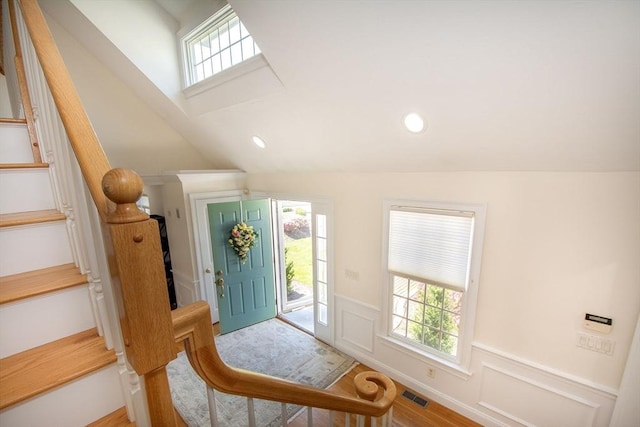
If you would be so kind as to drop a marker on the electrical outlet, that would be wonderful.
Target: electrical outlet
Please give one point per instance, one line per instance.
(431, 372)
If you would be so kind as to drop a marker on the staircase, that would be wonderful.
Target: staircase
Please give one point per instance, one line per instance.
(55, 369)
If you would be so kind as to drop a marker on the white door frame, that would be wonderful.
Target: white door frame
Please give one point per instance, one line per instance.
(326, 334)
(203, 252)
(202, 243)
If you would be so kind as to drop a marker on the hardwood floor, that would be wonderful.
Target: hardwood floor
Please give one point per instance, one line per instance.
(405, 412)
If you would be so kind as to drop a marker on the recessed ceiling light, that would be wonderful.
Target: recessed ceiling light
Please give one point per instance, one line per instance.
(413, 122)
(258, 141)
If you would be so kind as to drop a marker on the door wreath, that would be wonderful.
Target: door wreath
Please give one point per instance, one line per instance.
(242, 238)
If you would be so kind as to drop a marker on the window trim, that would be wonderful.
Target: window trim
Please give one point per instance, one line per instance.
(462, 360)
(184, 38)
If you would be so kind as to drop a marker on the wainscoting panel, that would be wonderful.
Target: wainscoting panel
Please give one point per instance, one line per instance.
(186, 289)
(530, 403)
(355, 325)
(499, 389)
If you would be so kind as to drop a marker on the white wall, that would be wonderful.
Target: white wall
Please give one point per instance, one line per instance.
(131, 133)
(156, 203)
(154, 51)
(9, 93)
(557, 245)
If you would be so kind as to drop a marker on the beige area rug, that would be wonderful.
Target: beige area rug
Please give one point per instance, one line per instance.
(273, 348)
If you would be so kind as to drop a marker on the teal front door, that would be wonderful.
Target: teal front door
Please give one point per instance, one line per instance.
(245, 291)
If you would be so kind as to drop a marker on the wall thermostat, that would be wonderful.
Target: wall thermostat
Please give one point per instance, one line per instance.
(598, 323)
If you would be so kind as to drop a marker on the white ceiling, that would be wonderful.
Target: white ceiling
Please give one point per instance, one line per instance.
(503, 85)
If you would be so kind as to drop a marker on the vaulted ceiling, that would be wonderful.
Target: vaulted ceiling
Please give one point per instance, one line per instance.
(503, 85)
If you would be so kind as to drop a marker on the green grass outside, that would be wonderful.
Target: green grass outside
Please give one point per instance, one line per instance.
(299, 251)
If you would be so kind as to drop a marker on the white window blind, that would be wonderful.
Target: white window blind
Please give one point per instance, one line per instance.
(434, 245)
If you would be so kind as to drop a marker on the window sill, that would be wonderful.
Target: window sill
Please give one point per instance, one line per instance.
(231, 73)
(426, 357)
(244, 82)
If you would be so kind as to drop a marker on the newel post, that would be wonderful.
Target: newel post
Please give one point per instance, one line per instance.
(137, 269)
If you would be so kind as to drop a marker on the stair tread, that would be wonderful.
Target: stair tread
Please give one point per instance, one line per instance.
(30, 217)
(119, 418)
(38, 282)
(8, 120)
(115, 419)
(42, 368)
(24, 165)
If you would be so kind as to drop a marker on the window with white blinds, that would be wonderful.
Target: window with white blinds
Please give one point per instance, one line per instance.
(434, 245)
(432, 286)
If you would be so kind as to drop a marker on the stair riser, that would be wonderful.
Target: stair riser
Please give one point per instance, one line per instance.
(30, 190)
(75, 404)
(32, 247)
(35, 321)
(15, 146)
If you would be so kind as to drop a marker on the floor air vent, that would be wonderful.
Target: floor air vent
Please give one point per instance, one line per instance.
(416, 399)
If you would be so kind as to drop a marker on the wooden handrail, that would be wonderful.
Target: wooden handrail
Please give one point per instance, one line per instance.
(192, 325)
(91, 158)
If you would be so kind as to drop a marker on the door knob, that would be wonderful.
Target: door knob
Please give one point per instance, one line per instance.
(219, 273)
(208, 270)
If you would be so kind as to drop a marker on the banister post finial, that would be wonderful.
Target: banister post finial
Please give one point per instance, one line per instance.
(123, 187)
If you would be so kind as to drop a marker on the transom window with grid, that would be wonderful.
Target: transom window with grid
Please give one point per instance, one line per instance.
(430, 254)
(220, 43)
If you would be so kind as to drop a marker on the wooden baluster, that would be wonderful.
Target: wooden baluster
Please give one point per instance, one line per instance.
(137, 269)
